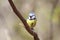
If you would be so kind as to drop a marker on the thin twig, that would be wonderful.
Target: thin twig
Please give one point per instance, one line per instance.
(23, 20)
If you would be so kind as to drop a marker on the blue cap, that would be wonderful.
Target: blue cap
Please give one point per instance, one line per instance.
(31, 14)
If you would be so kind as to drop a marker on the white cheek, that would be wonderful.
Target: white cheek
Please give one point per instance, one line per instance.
(29, 18)
(33, 17)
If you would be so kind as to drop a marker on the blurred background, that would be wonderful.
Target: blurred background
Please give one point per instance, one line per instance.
(11, 27)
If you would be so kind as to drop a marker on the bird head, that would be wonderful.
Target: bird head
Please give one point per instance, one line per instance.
(32, 16)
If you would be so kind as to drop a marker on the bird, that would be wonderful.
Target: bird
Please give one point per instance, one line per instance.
(31, 21)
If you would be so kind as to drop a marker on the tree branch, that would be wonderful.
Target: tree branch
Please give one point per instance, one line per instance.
(23, 20)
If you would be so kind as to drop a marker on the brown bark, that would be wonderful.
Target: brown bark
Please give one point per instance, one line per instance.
(23, 20)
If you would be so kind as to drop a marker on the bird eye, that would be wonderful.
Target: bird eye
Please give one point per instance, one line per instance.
(30, 16)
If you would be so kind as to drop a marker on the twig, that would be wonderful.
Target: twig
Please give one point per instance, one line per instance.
(23, 20)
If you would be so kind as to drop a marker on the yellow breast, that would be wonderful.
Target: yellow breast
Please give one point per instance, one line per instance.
(31, 23)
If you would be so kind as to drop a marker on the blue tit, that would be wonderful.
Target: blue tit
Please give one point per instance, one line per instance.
(31, 20)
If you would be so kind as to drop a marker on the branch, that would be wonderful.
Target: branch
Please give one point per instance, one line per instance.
(23, 20)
